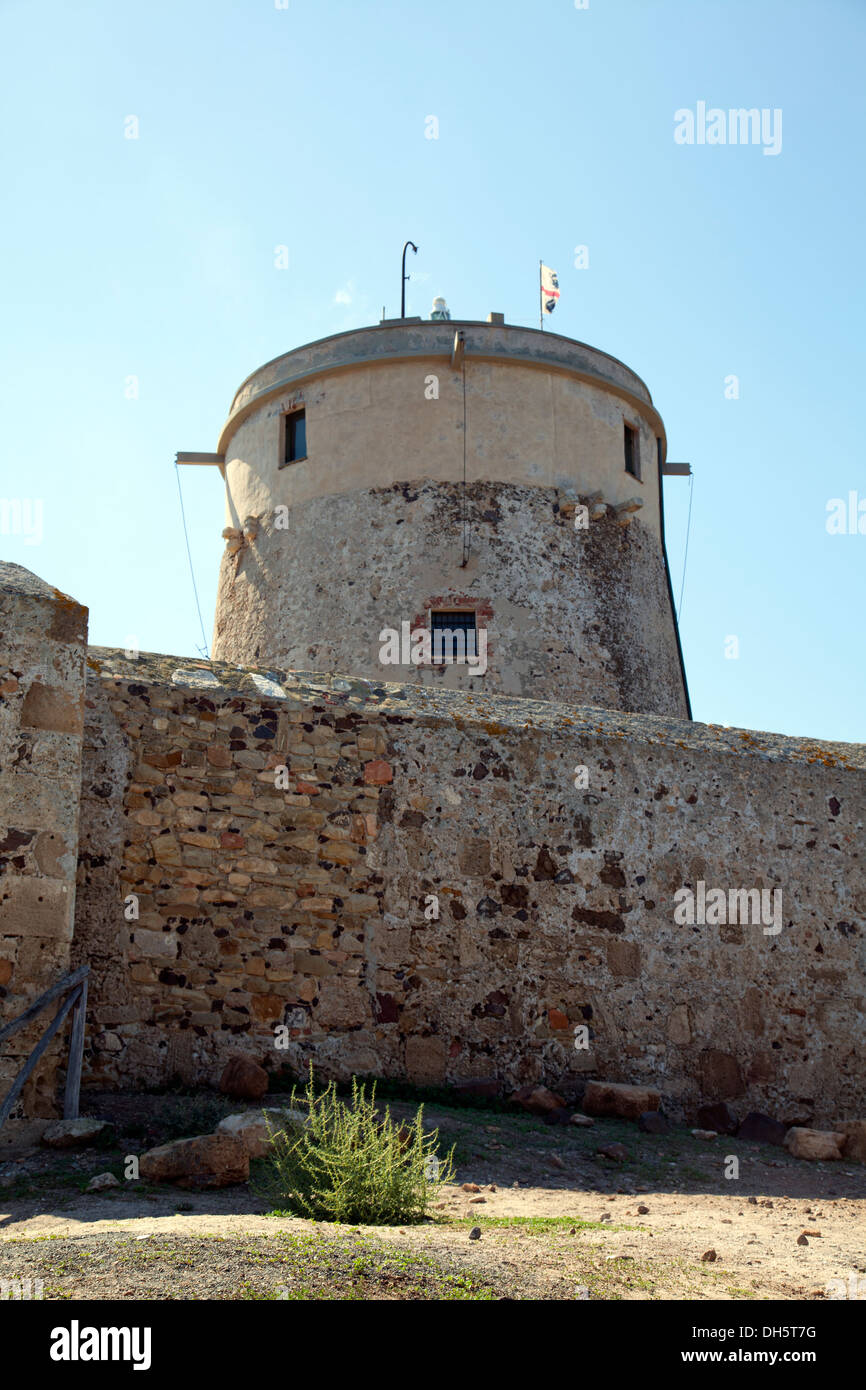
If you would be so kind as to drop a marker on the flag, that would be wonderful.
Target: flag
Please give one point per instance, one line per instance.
(549, 289)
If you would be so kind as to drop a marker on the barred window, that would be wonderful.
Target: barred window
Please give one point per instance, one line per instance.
(454, 635)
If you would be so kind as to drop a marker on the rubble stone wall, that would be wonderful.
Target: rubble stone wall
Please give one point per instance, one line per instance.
(302, 908)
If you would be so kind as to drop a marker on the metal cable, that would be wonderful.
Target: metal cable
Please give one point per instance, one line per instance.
(189, 556)
(686, 553)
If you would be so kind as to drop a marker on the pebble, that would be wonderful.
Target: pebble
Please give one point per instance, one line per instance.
(709, 1256)
(643, 1211)
(471, 1187)
(475, 1233)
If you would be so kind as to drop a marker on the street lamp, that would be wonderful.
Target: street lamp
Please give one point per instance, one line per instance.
(405, 278)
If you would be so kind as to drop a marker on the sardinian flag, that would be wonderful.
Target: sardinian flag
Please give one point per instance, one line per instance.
(549, 289)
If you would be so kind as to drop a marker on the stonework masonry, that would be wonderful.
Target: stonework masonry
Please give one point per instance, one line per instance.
(426, 872)
(564, 610)
(310, 907)
(43, 636)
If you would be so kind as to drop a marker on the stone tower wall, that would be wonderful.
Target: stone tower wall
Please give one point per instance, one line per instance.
(569, 614)
(417, 494)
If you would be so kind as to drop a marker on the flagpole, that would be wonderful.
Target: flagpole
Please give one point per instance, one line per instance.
(540, 301)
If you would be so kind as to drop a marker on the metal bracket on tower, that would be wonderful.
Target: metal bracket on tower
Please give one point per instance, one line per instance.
(458, 350)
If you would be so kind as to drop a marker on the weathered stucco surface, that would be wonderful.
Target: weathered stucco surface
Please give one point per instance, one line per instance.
(43, 637)
(261, 906)
(414, 342)
(377, 424)
(580, 614)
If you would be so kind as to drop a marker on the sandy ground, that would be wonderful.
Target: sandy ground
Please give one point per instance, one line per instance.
(756, 1246)
(534, 1181)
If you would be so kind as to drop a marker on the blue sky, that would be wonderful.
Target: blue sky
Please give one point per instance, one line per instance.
(259, 126)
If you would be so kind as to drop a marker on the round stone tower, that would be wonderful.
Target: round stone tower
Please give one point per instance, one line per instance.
(462, 503)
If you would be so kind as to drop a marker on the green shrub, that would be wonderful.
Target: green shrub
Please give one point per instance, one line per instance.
(349, 1163)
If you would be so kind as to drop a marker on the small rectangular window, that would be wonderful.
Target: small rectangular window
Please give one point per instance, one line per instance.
(454, 635)
(296, 436)
(631, 441)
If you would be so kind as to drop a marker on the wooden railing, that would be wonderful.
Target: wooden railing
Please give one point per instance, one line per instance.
(72, 992)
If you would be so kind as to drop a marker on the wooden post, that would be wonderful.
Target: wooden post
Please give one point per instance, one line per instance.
(76, 1055)
(74, 987)
(18, 1084)
(61, 987)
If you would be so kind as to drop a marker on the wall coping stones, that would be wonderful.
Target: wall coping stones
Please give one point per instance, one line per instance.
(15, 579)
(72, 615)
(196, 679)
(495, 714)
(266, 686)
